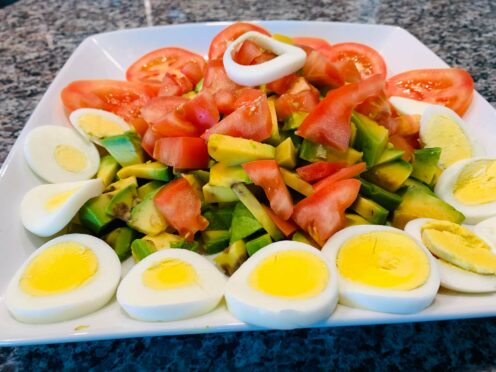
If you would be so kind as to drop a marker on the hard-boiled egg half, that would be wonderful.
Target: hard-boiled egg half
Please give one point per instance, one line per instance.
(96, 124)
(470, 186)
(59, 154)
(487, 230)
(383, 269)
(284, 285)
(65, 278)
(169, 285)
(467, 263)
(46, 209)
(408, 106)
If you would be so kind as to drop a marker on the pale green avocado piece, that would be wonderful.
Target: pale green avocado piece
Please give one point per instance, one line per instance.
(125, 148)
(149, 187)
(243, 223)
(219, 218)
(295, 182)
(371, 138)
(258, 243)
(370, 210)
(235, 151)
(391, 153)
(218, 194)
(286, 154)
(146, 218)
(231, 258)
(122, 203)
(215, 241)
(92, 214)
(191, 94)
(385, 198)
(275, 137)
(203, 176)
(226, 176)
(149, 170)
(299, 236)
(120, 240)
(164, 240)
(411, 183)
(437, 174)
(107, 170)
(294, 120)
(141, 248)
(312, 152)
(389, 176)
(425, 164)
(121, 184)
(353, 219)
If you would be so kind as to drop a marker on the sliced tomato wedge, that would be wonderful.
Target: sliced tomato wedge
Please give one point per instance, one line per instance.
(216, 77)
(320, 71)
(450, 87)
(288, 103)
(322, 213)
(148, 141)
(329, 122)
(316, 171)
(245, 96)
(315, 43)
(266, 174)
(181, 208)
(174, 85)
(182, 152)
(342, 174)
(281, 85)
(247, 52)
(377, 108)
(405, 143)
(288, 227)
(155, 111)
(201, 111)
(404, 125)
(220, 42)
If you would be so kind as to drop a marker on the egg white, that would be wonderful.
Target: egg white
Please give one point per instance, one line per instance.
(407, 106)
(487, 230)
(148, 304)
(89, 297)
(39, 149)
(255, 307)
(381, 299)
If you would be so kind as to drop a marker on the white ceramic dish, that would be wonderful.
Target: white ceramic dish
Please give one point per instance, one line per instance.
(107, 56)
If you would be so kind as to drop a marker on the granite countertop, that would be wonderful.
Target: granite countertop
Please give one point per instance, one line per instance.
(37, 37)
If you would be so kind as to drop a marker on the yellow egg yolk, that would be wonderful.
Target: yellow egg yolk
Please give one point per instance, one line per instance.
(442, 131)
(291, 274)
(383, 259)
(70, 158)
(459, 246)
(476, 183)
(170, 273)
(61, 268)
(56, 201)
(99, 126)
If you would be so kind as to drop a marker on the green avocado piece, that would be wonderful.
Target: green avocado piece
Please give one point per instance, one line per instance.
(122, 203)
(295, 182)
(243, 223)
(312, 152)
(286, 154)
(215, 241)
(107, 170)
(353, 219)
(275, 137)
(141, 248)
(371, 138)
(411, 183)
(218, 194)
(92, 214)
(203, 176)
(120, 240)
(235, 151)
(219, 218)
(163, 240)
(184, 244)
(226, 176)
(294, 120)
(437, 174)
(258, 243)
(125, 148)
(425, 163)
(299, 236)
(231, 258)
(385, 198)
(149, 170)
(121, 184)
(391, 153)
(389, 176)
(370, 210)
(149, 187)
(146, 218)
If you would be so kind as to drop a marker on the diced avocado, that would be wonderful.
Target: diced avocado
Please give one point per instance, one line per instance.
(420, 204)
(437, 174)
(294, 181)
(141, 248)
(302, 238)
(389, 176)
(199, 86)
(390, 154)
(312, 152)
(195, 183)
(258, 243)
(163, 240)
(234, 151)
(243, 223)
(203, 176)
(146, 218)
(215, 241)
(191, 94)
(371, 138)
(107, 170)
(92, 214)
(218, 194)
(275, 138)
(121, 184)
(294, 120)
(425, 163)
(370, 210)
(232, 258)
(149, 170)
(149, 187)
(286, 154)
(385, 198)
(120, 240)
(353, 219)
(125, 148)
(254, 206)
(226, 176)
(350, 156)
(297, 140)
(185, 244)
(353, 134)
(122, 202)
(219, 218)
(411, 183)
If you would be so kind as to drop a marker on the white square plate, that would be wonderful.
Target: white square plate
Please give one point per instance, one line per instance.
(107, 56)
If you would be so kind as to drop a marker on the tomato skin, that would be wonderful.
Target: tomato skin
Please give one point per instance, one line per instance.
(404, 125)
(220, 42)
(450, 87)
(316, 171)
(377, 108)
(322, 213)
(329, 122)
(287, 227)
(288, 103)
(315, 43)
(181, 207)
(174, 85)
(216, 78)
(155, 111)
(266, 174)
(404, 143)
(182, 152)
(342, 174)
(247, 52)
(148, 141)
(245, 96)
(201, 111)
(320, 71)
(281, 85)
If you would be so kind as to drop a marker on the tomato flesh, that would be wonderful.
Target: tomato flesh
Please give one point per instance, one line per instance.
(182, 152)
(287, 227)
(155, 111)
(316, 171)
(320, 71)
(315, 43)
(201, 111)
(342, 174)
(148, 141)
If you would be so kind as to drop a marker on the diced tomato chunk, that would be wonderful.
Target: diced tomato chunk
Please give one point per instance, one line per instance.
(315, 43)
(405, 143)
(281, 85)
(246, 53)
(182, 152)
(288, 227)
(155, 111)
(201, 111)
(320, 71)
(288, 103)
(148, 141)
(216, 77)
(316, 171)
(342, 174)
(174, 85)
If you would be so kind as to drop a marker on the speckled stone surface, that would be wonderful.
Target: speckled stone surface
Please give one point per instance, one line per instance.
(36, 38)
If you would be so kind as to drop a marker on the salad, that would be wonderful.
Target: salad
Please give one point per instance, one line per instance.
(291, 174)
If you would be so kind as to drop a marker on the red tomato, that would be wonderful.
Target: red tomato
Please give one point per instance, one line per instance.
(264, 57)
(156, 109)
(404, 125)
(182, 152)
(153, 67)
(220, 42)
(342, 174)
(148, 141)
(247, 52)
(450, 87)
(288, 103)
(377, 108)
(245, 96)
(322, 213)
(318, 170)
(287, 227)
(404, 143)
(266, 174)
(250, 121)
(201, 111)
(329, 122)
(316, 43)
(224, 100)
(281, 85)
(216, 78)
(174, 85)
(320, 71)
(347, 70)
(123, 98)
(368, 61)
(181, 208)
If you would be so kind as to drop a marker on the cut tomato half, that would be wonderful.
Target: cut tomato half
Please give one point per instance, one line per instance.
(155, 111)
(316, 171)
(342, 174)
(182, 152)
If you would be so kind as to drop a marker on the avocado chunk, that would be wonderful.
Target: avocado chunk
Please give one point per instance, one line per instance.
(235, 151)
(353, 219)
(146, 218)
(391, 153)
(385, 198)
(149, 170)
(141, 248)
(418, 203)
(371, 138)
(294, 181)
(219, 218)
(389, 176)
(254, 206)
(92, 214)
(149, 187)
(286, 154)
(275, 137)
(231, 258)
(218, 194)
(258, 243)
(437, 174)
(215, 241)
(125, 148)
(425, 163)
(302, 238)
(163, 240)
(243, 223)
(107, 170)
(121, 184)
(414, 184)
(185, 244)
(203, 176)
(122, 203)
(370, 210)
(294, 120)
(226, 176)
(312, 152)
(120, 240)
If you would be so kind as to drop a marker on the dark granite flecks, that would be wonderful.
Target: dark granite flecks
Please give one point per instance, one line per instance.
(37, 37)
